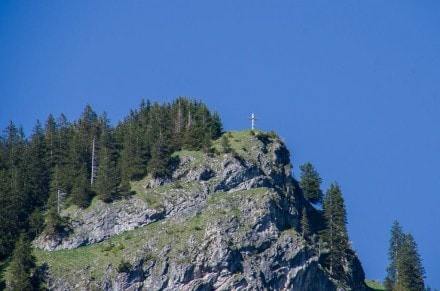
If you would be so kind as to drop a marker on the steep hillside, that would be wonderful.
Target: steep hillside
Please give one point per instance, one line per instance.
(227, 220)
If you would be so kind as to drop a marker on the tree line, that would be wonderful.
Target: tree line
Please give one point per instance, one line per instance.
(65, 162)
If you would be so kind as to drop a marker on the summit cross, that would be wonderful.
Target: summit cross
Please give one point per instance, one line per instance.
(253, 118)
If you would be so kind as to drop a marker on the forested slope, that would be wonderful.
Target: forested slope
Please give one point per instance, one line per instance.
(70, 162)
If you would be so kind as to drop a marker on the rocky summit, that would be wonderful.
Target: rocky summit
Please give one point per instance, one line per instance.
(225, 220)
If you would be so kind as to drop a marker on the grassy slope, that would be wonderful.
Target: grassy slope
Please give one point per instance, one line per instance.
(374, 285)
(92, 261)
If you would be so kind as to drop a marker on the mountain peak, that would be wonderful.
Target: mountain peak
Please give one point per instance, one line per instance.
(227, 219)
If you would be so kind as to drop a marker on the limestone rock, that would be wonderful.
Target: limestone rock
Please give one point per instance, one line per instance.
(225, 221)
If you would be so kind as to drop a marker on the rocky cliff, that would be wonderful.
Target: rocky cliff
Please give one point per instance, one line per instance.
(226, 221)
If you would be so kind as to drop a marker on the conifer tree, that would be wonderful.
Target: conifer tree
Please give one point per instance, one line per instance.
(54, 224)
(37, 173)
(335, 234)
(13, 191)
(310, 183)
(22, 264)
(216, 126)
(36, 223)
(108, 177)
(160, 158)
(410, 272)
(405, 271)
(134, 156)
(396, 241)
(226, 145)
(81, 194)
(58, 138)
(305, 227)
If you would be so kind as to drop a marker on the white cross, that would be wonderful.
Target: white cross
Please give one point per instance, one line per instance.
(252, 118)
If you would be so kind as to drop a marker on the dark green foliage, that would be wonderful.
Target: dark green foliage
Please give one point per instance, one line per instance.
(216, 126)
(108, 174)
(14, 192)
(22, 264)
(335, 234)
(81, 194)
(410, 272)
(55, 224)
(305, 225)
(36, 223)
(124, 267)
(133, 156)
(226, 145)
(37, 172)
(396, 241)
(310, 183)
(89, 157)
(160, 158)
(125, 188)
(405, 271)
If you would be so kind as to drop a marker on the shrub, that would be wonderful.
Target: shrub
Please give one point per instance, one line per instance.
(124, 267)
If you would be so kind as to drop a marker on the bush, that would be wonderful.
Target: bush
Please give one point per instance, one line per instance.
(108, 247)
(177, 184)
(124, 267)
(226, 145)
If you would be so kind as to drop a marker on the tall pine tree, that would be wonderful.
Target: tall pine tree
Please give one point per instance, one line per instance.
(22, 264)
(405, 271)
(108, 178)
(13, 192)
(396, 241)
(410, 272)
(335, 234)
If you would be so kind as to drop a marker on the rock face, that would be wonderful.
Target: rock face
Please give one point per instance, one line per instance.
(100, 222)
(227, 221)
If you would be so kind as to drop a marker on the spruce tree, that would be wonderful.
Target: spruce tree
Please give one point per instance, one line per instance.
(81, 194)
(310, 183)
(158, 165)
(134, 155)
(335, 234)
(410, 272)
(108, 177)
(216, 126)
(59, 136)
(14, 210)
(37, 173)
(396, 241)
(405, 271)
(305, 227)
(22, 264)
(226, 145)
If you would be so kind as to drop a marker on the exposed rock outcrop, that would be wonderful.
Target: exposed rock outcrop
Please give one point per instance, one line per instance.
(226, 221)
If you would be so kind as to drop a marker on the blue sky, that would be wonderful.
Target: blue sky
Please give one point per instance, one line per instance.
(352, 86)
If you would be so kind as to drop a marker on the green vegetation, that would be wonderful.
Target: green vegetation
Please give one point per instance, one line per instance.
(22, 263)
(374, 285)
(243, 144)
(305, 225)
(130, 247)
(310, 183)
(335, 234)
(405, 271)
(69, 164)
(3, 266)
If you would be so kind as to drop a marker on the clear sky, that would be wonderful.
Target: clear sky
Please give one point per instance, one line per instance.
(352, 86)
